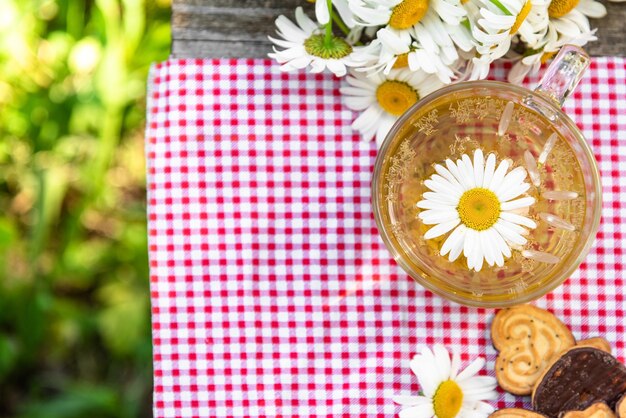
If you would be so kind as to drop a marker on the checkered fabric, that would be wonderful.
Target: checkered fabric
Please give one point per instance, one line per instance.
(272, 294)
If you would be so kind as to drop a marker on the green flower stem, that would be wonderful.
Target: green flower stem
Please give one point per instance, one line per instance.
(344, 28)
(501, 7)
(328, 37)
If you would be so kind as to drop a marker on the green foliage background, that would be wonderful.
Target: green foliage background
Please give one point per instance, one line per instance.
(74, 299)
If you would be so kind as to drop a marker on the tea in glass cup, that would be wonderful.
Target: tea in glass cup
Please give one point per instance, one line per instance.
(486, 193)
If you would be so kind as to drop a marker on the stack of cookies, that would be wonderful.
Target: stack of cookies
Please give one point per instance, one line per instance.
(539, 356)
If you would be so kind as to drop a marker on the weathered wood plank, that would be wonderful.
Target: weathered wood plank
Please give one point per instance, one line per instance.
(239, 28)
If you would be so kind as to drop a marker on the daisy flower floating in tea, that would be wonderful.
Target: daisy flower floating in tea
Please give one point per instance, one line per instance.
(482, 203)
(447, 391)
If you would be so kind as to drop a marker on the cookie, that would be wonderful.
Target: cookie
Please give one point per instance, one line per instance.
(515, 413)
(596, 342)
(620, 407)
(597, 410)
(581, 377)
(529, 340)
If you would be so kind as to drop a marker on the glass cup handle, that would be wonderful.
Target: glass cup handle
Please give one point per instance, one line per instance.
(563, 75)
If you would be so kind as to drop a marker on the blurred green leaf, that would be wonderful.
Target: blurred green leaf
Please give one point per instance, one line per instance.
(8, 233)
(8, 354)
(80, 401)
(124, 318)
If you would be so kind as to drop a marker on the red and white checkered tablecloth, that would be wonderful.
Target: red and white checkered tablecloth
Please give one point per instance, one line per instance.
(272, 294)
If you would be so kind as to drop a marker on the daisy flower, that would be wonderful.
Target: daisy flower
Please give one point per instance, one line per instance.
(447, 391)
(570, 17)
(501, 20)
(305, 45)
(480, 205)
(392, 49)
(472, 66)
(531, 63)
(382, 99)
(404, 14)
(424, 30)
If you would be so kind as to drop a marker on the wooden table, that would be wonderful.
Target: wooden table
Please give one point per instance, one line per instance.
(239, 28)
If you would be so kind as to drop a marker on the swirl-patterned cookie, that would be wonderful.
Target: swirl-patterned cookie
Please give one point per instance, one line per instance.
(597, 410)
(515, 413)
(528, 339)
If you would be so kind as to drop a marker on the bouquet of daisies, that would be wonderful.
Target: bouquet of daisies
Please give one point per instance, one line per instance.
(392, 52)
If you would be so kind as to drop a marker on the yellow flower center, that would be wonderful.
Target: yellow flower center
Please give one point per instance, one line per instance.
(479, 209)
(547, 56)
(521, 17)
(395, 97)
(402, 61)
(447, 400)
(559, 8)
(408, 13)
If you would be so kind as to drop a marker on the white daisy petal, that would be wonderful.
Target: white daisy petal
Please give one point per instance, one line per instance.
(498, 175)
(484, 407)
(419, 411)
(445, 173)
(509, 235)
(432, 216)
(386, 122)
(423, 366)
(479, 384)
(441, 198)
(454, 170)
(455, 364)
(471, 370)
(429, 204)
(514, 177)
(436, 183)
(468, 247)
(442, 358)
(457, 248)
(513, 192)
(441, 229)
(479, 167)
(478, 253)
(367, 118)
(517, 204)
(478, 393)
(469, 167)
(592, 8)
(452, 184)
(337, 67)
(410, 400)
(321, 11)
(490, 167)
(429, 356)
(453, 240)
(518, 219)
(486, 243)
(466, 174)
(502, 248)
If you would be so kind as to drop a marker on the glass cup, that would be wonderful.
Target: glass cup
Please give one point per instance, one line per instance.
(512, 123)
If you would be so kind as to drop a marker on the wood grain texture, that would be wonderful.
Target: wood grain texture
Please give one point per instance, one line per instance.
(239, 28)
